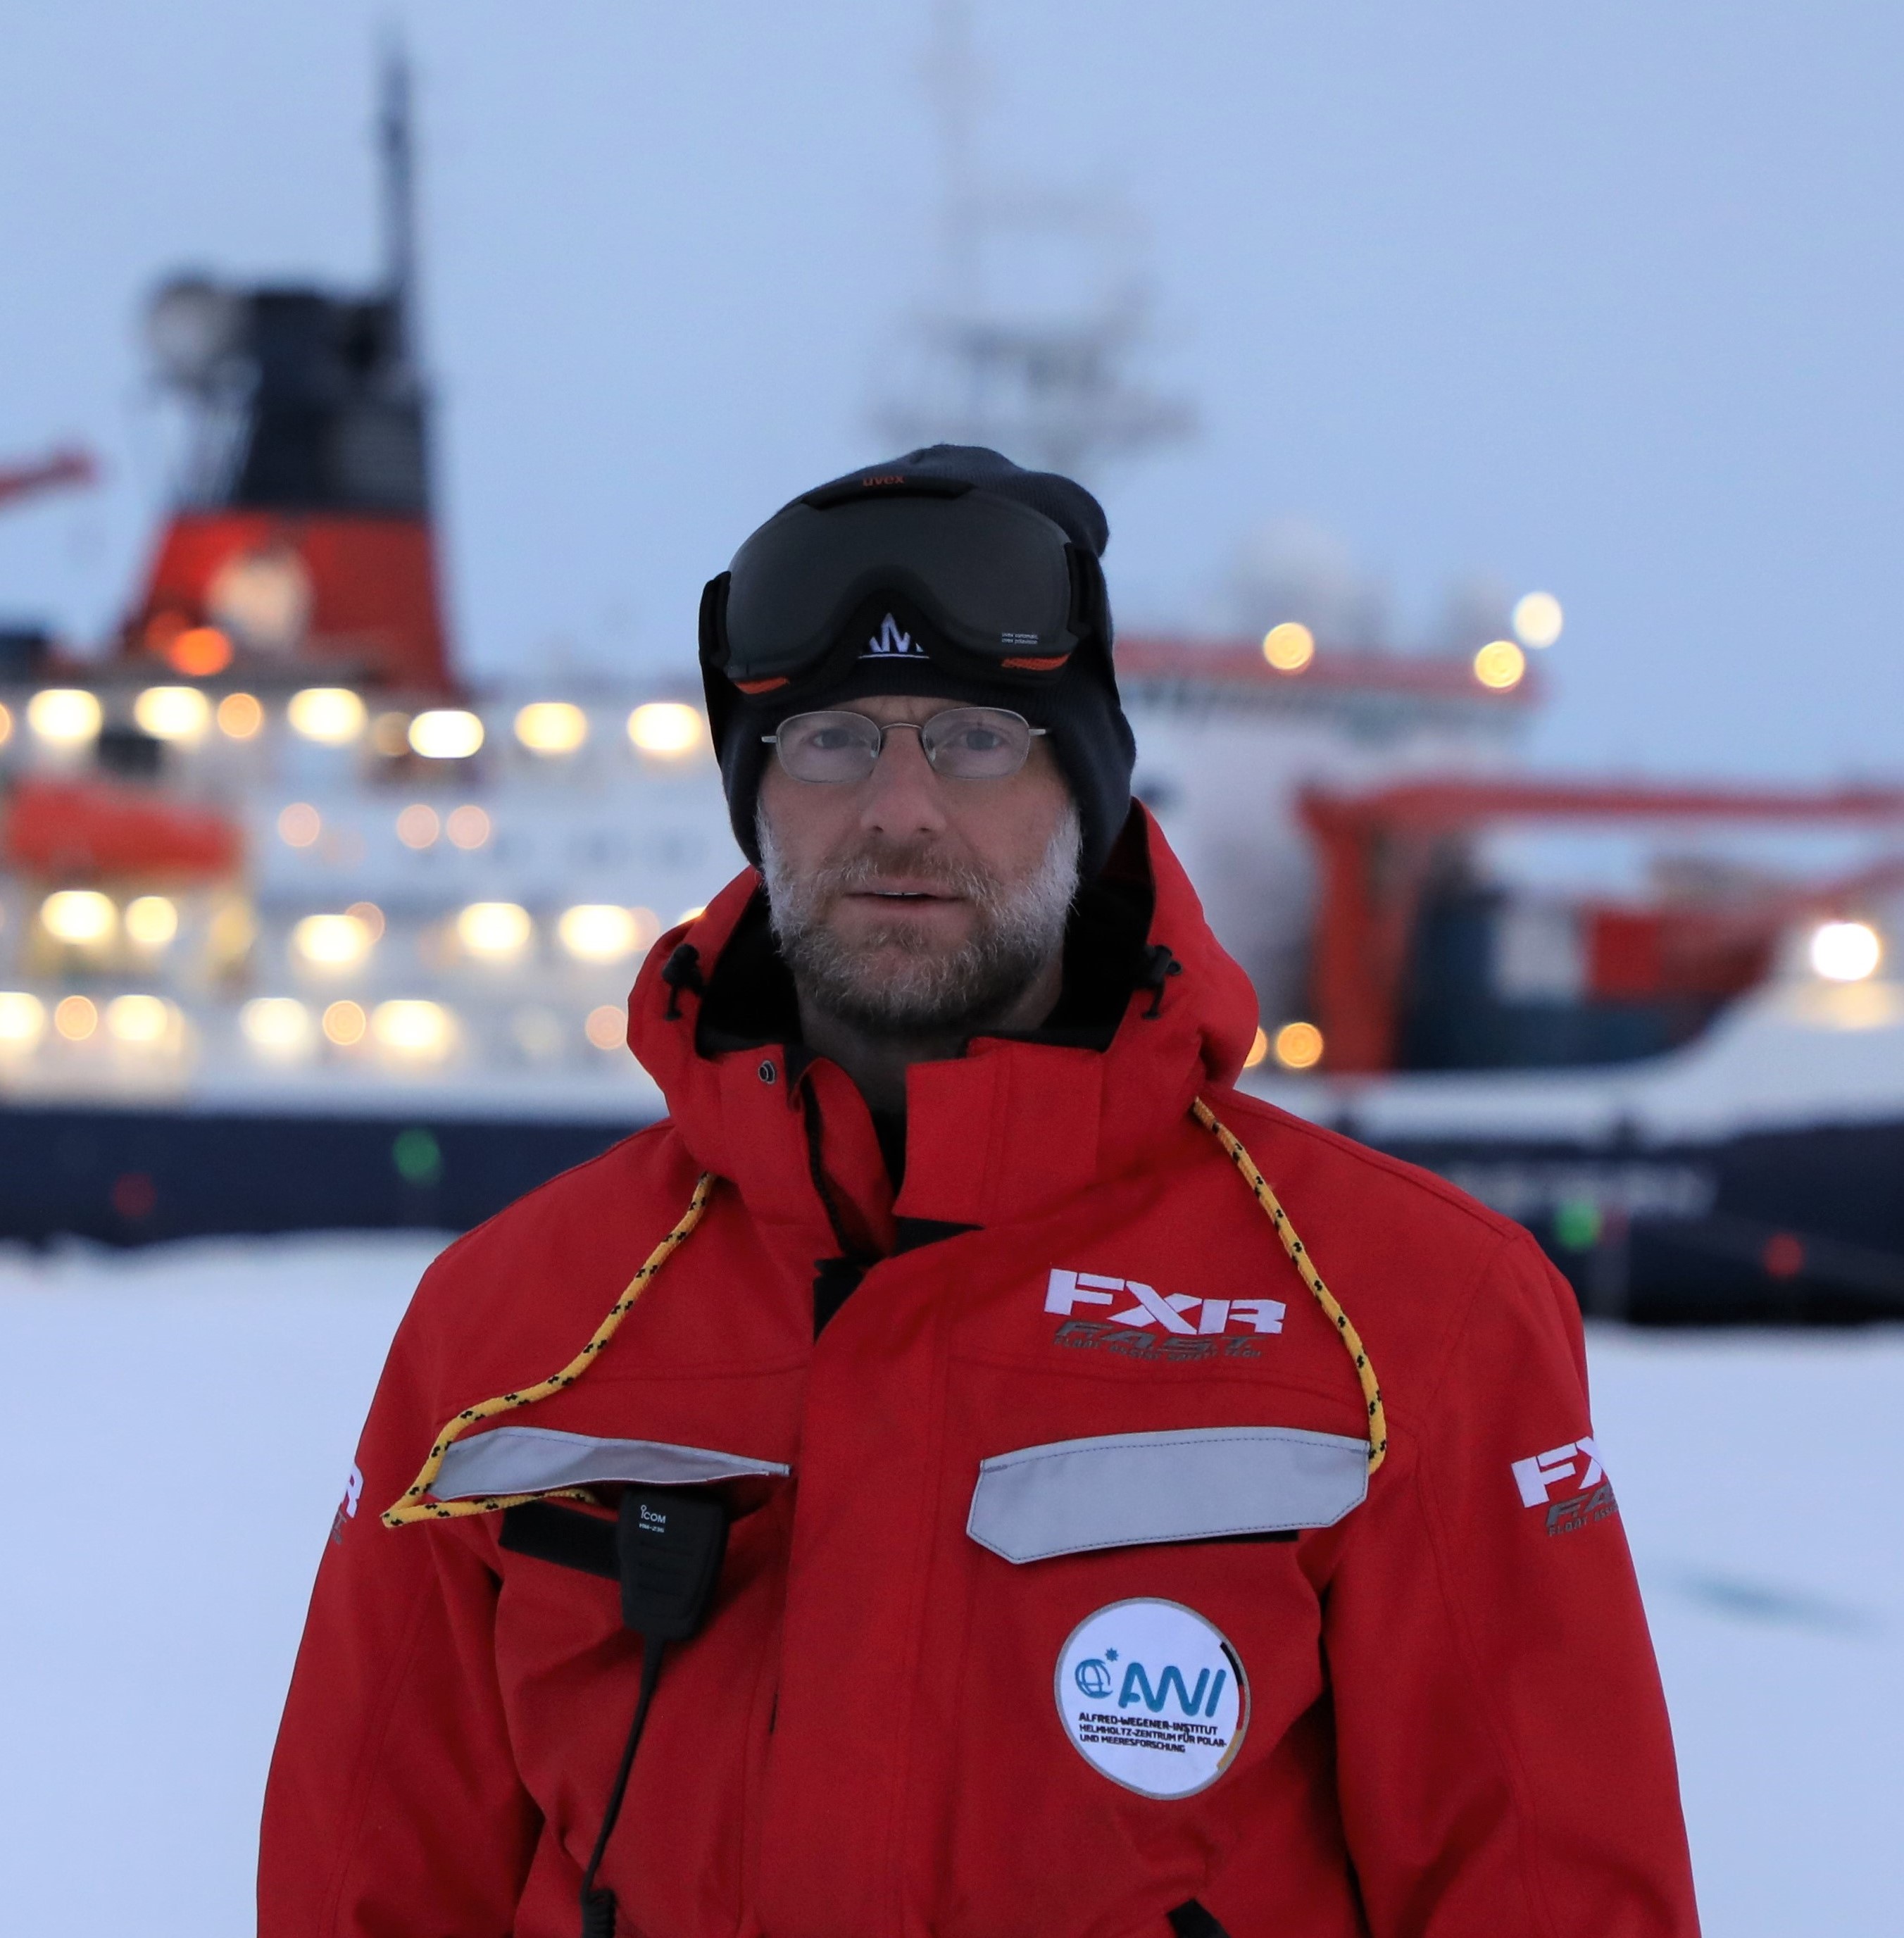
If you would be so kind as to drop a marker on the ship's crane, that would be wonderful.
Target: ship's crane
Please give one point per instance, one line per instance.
(60, 469)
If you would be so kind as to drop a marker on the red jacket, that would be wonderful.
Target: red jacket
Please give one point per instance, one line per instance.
(1063, 1694)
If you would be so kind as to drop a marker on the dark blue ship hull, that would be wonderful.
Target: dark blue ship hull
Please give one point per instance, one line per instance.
(1780, 1227)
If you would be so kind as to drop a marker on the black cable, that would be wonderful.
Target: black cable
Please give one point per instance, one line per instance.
(598, 1907)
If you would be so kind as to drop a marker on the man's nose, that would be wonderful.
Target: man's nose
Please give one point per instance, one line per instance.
(902, 793)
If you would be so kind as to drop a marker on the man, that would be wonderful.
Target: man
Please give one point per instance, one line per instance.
(1145, 1513)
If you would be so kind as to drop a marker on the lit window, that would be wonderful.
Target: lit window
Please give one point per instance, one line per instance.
(418, 1029)
(198, 651)
(75, 1018)
(6, 726)
(331, 941)
(1846, 952)
(278, 1026)
(331, 715)
(64, 716)
(1299, 1046)
(1500, 664)
(172, 713)
(1289, 647)
(667, 728)
(152, 921)
(82, 917)
(23, 1019)
(418, 826)
(371, 915)
(494, 930)
(551, 727)
(607, 1026)
(140, 1019)
(299, 824)
(1537, 619)
(446, 733)
(240, 716)
(1258, 1050)
(599, 932)
(467, 826)
(345, 1024)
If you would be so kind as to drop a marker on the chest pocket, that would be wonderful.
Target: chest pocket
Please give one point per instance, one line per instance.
(1134, 1489)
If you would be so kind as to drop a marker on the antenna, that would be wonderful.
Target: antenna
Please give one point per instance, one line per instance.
(398, 186)
(1039, 306)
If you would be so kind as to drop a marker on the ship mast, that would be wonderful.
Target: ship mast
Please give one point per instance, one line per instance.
(1049, 383)
(398, 186)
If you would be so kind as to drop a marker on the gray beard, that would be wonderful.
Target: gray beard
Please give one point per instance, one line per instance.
(927, 993)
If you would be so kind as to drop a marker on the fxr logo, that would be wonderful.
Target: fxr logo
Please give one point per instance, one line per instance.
(1540, 1474)
(1066, 1291)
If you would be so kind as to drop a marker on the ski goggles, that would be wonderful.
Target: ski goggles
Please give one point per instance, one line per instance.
(1004, 593)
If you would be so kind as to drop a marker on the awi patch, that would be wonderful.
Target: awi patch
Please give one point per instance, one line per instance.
(1153, 1696)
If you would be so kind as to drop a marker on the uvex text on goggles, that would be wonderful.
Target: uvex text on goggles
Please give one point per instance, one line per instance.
(1007, 594)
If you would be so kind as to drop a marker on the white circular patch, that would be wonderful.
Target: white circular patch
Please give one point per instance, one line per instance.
(1153, 1696)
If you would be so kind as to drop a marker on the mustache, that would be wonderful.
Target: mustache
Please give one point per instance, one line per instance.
(878, 858)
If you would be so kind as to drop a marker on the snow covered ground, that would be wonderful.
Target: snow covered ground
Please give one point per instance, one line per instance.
(176, 1424)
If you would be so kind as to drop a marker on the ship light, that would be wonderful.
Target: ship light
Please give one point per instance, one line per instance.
(607, 1026)
(198, 651)
(693, 914)
(599, 932)
(1846, 952)
(1258, 1050)
(82, 917)
(1289, 647)
(331, 941)
(1537, 620)
(299, 824)
(64, 716)
(332, 715)
(75, 1018)
(371, 915)
(23, 1019)
(345, 1023)
(667, 728)
(140, 1020)
(551, 727)
(418, 825)
(172, 713)
(1299, 1046)
(389, 734)
(277, 1026)
(1500, 664)
(240, 716)
(6, 726)
(446, 733)
(494, 930)
(152, 921)
(413, 1029)
(467, 826)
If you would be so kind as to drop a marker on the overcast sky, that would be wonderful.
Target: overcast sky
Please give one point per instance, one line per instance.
(1600, 298)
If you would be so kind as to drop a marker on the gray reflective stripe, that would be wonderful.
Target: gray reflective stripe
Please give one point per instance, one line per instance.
(1124, 1489)
(531, 1459)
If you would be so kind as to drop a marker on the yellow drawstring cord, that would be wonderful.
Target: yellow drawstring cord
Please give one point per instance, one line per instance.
(415, 1507)
(1371, 1391)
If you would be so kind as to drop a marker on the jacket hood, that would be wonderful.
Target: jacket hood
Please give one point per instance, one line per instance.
(1017, 1123)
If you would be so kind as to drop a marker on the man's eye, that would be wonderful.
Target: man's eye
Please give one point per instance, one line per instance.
(977, 739)
(830, 739)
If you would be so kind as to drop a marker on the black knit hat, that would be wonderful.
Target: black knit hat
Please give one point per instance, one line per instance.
(1079, 709)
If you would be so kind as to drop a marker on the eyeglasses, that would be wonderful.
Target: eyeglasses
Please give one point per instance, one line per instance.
(964, 743)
